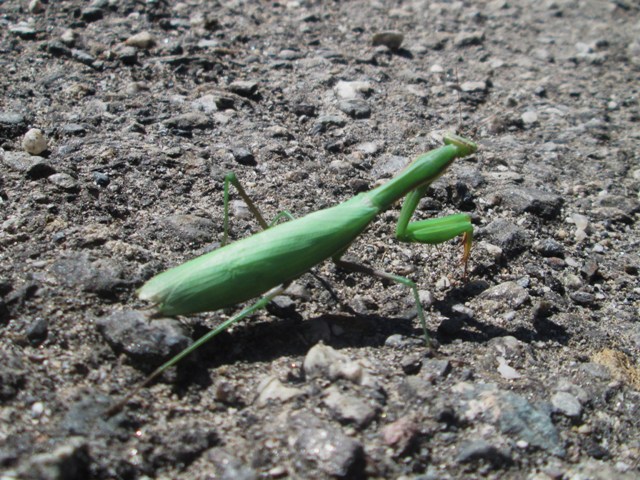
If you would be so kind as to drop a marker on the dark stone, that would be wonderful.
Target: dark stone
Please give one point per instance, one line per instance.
(543, 204)
(481, 450)
(244, 157)
(77, 270)
(147, 342)
(12, 375)
(91, 14)
(328, 449)
(356, 108)
(37, 331)
(506, 235)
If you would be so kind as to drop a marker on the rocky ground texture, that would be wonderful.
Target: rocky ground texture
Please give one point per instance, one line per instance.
(142, 106)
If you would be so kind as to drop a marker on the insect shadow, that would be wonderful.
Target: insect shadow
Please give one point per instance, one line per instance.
(293, 336)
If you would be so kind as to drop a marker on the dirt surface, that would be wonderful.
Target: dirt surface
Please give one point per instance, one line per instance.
(145, 105)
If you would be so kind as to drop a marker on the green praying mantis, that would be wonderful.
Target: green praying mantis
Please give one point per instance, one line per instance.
(265, 263)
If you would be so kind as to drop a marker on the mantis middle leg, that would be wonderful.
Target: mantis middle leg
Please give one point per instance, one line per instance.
(231, 178)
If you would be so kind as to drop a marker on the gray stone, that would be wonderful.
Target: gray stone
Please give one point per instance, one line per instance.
(596, 370)
(191, 228)
(465, 39)
(147, 342)
(434, 368)
(37, 331)
(245, 88)
(272, 390)
(511, 238)
(324, 361)
(550, 248)
(356, 108)
(543, 204)
(327, 448)
(391, 40)
(78, 129)
(71, 460)
(476, 450)
(82, 56)
(23, 30)
(522, 420)
(566, 404)
(33, 166)
(411, 363)
(12, 375)
(127, 54)
(189, 121)
(324, 122)
(582, 298)
(243, 156)
(348, 409)
(58, 49)
(473, 87)
(514, 415)
(228, 467)
(91, 14)
(507, 293)
(388, 166)
(63, 181)
(78, 270)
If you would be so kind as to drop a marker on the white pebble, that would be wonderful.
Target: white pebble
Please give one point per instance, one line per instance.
(37, 409)
(529, 117)
(34, 142)
(142, 40)
(581, 221)
(506, 370)
(36, 6)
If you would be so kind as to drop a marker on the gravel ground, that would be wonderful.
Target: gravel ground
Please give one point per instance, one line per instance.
(142, 106)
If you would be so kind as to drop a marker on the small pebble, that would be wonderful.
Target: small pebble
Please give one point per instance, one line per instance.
(391, 40)
(143, 40)
(529, 117)
(36, 6)
(350, 90)
(34, 142)
(507, 371)
(37, 409)
(68, 37)
(63, 181)
(581, 221)
(470, 87)
(244, 88)
(272, 390)
(566, 404)
(464, 39)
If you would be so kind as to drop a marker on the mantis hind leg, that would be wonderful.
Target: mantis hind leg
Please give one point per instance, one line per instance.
(231, 179)
(359, 268)
(270, 295)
